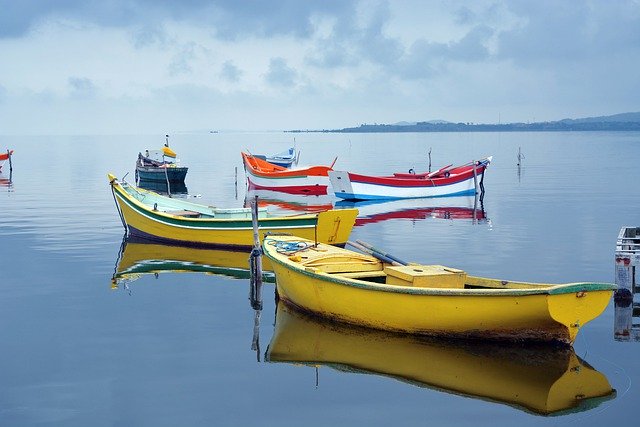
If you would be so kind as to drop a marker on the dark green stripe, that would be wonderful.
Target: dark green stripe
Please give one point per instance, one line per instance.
(222, 223)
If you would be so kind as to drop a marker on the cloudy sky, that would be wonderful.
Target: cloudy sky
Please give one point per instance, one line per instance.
(149, 66)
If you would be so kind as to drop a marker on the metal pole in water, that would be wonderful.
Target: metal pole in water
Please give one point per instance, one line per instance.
(255, 260)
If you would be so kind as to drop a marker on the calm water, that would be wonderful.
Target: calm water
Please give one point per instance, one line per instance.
(176, 348)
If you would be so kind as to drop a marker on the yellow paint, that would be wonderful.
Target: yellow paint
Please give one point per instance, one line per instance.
(503, 312)
(543, 380)
(425, 276)
(333, 226)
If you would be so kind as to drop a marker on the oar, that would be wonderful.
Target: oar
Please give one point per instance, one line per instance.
(391, 257)
(334, 162)
(372, 253)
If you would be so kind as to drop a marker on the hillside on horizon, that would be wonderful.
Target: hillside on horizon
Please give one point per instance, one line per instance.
(617, 122)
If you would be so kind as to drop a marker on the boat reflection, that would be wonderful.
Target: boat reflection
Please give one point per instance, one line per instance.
(542, 380)
(6, 181)
(139, 257)
(176, 187)
(454, 208)
(626, 318)
(289, 203)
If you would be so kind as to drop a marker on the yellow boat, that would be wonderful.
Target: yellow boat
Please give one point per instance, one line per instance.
(154, 217)
(138, 257)
(543, 380)
(428, 299)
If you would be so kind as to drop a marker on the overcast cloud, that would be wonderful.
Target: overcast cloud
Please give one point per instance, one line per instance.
(90, 66)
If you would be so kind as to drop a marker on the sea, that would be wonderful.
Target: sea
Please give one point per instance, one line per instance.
(98, 331)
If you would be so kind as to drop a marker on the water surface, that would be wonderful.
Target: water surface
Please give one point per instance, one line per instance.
(180, 348)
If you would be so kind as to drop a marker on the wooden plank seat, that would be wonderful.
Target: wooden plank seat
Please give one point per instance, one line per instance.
(184, 213)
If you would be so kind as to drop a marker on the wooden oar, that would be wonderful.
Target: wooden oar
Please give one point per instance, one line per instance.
(439, 171)
(391, 257)
(372, 253)
(334, 162)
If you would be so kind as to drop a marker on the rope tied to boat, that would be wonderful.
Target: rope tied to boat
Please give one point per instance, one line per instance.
(290, 247)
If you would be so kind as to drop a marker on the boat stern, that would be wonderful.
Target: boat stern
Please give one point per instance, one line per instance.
(335, 225)
(341, 184)
(577, 305)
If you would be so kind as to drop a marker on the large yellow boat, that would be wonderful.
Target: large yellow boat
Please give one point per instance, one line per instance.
(154, 217)
(428, 299)
(543, 380)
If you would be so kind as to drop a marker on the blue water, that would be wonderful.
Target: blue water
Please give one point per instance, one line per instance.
(175, 349)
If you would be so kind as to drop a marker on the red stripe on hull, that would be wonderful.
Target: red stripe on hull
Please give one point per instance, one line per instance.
(316, 190)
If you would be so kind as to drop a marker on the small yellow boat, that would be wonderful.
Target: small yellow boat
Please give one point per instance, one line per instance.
(151, 216)
(543, 380)
(428, 299)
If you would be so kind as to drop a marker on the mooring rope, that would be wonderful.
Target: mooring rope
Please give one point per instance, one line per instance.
(290, 247)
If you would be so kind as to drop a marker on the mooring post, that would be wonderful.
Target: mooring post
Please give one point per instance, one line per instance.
(475, 178)
(520, 156)
(236, 184)
(256, 260)
(255, 342)
(429, 159)
(627, 257)
(623, 319)
(10, 164)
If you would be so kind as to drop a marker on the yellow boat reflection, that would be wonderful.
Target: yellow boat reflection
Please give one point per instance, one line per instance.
(543, 380)
(138, 257)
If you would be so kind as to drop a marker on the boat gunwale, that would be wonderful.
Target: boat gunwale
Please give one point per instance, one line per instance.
(395, 182)
(181, 221)
(336, 278)
(281, 172)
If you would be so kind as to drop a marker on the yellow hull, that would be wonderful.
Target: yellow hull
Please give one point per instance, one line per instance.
(539, 312)
(332, 226)
(543, 380)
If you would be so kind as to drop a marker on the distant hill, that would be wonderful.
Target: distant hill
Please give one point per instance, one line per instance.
(616, 122)
(622, 117)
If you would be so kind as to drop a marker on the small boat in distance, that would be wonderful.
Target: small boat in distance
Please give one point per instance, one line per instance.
(286, 159)
(546, 380)
(160, 165)
(151, 216)
(5, 156)
(262, 175)
(447, 181)
(427, 299)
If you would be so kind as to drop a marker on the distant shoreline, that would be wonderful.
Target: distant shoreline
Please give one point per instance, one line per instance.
(468, 127)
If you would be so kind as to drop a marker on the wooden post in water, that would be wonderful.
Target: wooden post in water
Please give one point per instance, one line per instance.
(429, 159)
(475, 178)
(255, 260)
(10, 164)
(255, 342)
(236, 183)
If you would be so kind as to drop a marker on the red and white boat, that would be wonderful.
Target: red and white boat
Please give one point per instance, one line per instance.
(4, 157)
(447, 181)
(300, 180)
